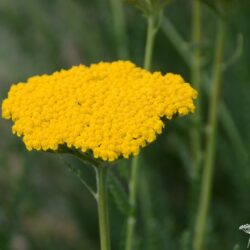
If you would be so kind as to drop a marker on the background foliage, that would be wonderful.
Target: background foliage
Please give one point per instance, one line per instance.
(42, 206)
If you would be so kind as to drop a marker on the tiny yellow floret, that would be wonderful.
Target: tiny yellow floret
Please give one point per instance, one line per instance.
(112, 109)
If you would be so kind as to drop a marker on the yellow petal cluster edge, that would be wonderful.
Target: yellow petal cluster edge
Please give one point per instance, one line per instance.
(112, 109)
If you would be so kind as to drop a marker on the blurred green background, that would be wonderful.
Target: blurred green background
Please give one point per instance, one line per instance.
(43, 206)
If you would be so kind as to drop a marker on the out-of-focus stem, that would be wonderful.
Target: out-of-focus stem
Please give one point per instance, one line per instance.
(196, 82)
(132, 202)
(225, 115)
(119, 25)
(177, 41)
(207, 175)
(151, 30)
(102, 202)
(131, 220)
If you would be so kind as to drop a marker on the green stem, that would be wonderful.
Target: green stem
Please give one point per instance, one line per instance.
(119, 28)
(151, 31)
(132, 203)
(207, 175)
(195, 131)
(228, 124)
(102, 201)
(196, 82)
(131, 220)
(77, 173)
(225, 116)
(177, 41)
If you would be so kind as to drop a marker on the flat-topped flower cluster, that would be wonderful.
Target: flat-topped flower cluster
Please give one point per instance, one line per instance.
(112, 109)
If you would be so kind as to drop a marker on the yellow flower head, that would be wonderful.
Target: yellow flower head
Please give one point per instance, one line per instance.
(112, 109)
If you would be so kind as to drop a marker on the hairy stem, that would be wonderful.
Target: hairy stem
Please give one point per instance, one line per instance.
(207, 175)
(102, 201)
